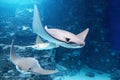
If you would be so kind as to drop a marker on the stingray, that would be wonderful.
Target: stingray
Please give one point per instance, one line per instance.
(40, 45)
(28, 65)
(57, 36)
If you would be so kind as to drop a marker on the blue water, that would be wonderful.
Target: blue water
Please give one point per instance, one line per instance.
(97, 60)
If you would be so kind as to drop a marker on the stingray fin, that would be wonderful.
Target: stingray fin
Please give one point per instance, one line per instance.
(46, 27)
(83, 34)
(38, 40)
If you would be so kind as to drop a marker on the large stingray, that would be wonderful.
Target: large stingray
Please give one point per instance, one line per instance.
(58, 36)
(28, 65)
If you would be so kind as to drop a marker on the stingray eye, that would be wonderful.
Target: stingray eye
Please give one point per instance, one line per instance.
(29, 69)
(19, 68)
(67, 39)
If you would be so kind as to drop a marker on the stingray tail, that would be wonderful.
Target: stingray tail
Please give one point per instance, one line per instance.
(42, 71)
(50, 71)
(46, 72)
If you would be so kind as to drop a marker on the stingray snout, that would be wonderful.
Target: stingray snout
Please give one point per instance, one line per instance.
(82, 44)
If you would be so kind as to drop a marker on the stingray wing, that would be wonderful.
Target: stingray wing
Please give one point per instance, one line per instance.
(37, 25)
(82, 35)
(38, 28)
(13, 56)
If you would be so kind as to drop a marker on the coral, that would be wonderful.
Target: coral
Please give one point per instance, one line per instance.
(90, 74)
(115, 75)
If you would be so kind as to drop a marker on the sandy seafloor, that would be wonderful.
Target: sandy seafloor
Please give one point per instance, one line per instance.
(82, 75)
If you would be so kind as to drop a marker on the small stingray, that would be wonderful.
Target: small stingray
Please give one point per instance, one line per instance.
(40, 45)
(28, 65)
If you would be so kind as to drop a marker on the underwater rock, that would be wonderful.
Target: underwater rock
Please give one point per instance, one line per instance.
(90, 74)
(115, 75)
(69, 56)
(24, 37)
